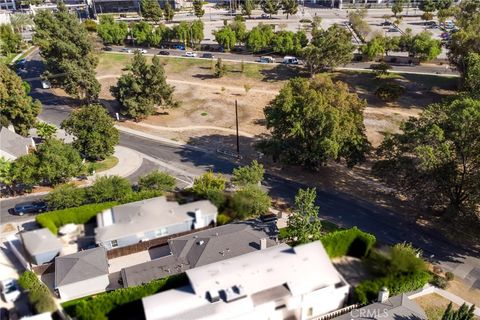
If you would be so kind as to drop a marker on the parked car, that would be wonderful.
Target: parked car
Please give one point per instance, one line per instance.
(290, 60)
(179, 47)
(107, 49)
(127, 50)
(386, 23)
(267, 59)
(265, 16)
(190, 54)
(392, 30)
(29, 207)
(21, 63)
(164, 53)
(46, 84)
(143, 51)
(9, 289)
(208, 56)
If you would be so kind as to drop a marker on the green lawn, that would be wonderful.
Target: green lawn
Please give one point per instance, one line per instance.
(103, 165)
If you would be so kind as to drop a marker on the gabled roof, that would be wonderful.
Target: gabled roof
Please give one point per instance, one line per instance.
(395, 308)
(148, 215)
(80, 266)
(40, 241)
(13, 143)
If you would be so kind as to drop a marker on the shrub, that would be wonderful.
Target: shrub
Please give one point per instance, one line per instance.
(104, 304)
(367, 291)
(449, 276)
(79, 215)
(439, 281)
(218, 198)
(90, 25)
(389, 91)
(140, 195)
(223, 219)
(250, 201)
(248, 175)
(65, 196)
(157, 180)
(352, 242)
(207, 182)
(112, 188)
(380, 68)
(38, 293)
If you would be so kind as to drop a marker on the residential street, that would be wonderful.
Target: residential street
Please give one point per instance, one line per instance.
(343, 209)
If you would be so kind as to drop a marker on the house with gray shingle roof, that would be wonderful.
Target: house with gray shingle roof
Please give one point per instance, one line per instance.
(81, 274)
(41, 245)
(13, 145)
(148, 219)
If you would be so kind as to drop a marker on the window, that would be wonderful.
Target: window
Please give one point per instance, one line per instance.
(310, 312)
(114, 243)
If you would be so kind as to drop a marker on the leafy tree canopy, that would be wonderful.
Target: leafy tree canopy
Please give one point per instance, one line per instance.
(304, 225)
(248, 175)
(463, 313)
(250, 201)
(314, 121)
(151, 10)
(112, 188)
(208, 182)
(10, 41)
(16, 106)
(198, 8)
(289, 7)
(157, 180)
(270, 6)
(110, 31)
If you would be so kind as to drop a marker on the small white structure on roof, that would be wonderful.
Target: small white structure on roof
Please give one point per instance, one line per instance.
(276, 283)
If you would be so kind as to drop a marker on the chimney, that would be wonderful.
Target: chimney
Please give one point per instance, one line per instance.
(198, 222)
(263, 243)
(383, 294)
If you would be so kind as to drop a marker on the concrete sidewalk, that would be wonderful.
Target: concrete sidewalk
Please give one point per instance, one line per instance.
(128, 162)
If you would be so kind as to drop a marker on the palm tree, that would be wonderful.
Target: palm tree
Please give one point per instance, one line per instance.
(20, 20)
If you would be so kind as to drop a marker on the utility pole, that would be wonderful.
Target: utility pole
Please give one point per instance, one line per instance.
(236, 122)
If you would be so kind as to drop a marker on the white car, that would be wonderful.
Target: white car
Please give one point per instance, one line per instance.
(10, 290)
(127, 50)
(46, 84)
(190, 54)
(143, 51)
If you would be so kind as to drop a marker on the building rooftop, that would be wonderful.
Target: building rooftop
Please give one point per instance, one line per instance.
(147, 215)
(395, 308)
(80, 266)
(234, 287)
(201, 248)
(40, 241)
(13, 143)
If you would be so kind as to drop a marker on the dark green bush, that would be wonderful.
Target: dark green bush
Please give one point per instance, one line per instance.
(140, 195)
(112, 188)
(79, 215)
(99, 307)
(353, 242)
(250, 201)
(439, 281)
(218, 198)
(223, 219)
(157, 180)
(367, 291)
(449, 276)
(38, 293)
(389, 91)
(65, 196)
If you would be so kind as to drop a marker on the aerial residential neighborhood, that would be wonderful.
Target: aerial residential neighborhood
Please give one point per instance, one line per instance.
(240, 159)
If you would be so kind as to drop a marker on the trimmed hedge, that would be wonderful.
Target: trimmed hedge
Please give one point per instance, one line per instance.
(367, 291)
(104, 305)
(353, 242)
(38, 293)
(79, 215)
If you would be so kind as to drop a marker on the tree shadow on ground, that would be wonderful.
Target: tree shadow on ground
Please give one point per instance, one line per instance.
(342, 208)
(282, 72)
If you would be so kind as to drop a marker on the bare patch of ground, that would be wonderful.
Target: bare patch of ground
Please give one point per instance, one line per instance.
(434, 305)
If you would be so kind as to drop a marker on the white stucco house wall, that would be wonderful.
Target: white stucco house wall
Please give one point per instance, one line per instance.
(279, 282)
(81, 274)
(13, 145)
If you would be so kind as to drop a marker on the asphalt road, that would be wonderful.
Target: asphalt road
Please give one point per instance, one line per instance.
(344, 209)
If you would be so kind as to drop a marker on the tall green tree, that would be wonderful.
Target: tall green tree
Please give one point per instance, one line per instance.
(111, 188)
(289, 7)
(226, 38)
(143, 88)
(95, 135)
(6, 174)
(304, 225)
(220, 68)
(16, 106)
(238, 26)
(397, 7)
(436, 158)
(45, 130)
(329, 48)
(250, 201)
(425, 47)
(142, 32)
(67, 52)
(260, 38)
(10, 40)
(196, 29)
(270, 6)
(198, 8)
(374, 48)
(209, 182)
(463, 313)
(151, 10)
(168, 11)
(110, 31)
(247, 7)
(20, 21)
(157, 180)
(313, 121)
(471, 82)
(248, 175)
